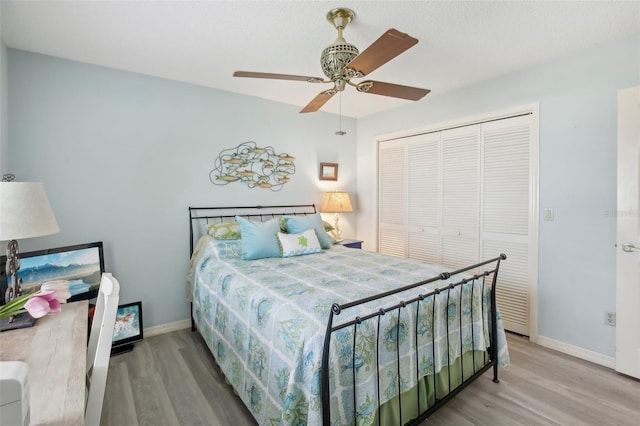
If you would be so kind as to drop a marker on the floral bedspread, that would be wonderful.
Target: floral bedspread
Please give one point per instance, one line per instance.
(264, 321)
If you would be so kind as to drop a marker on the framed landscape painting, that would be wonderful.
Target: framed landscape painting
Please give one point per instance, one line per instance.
(328, 171)
(82, 265)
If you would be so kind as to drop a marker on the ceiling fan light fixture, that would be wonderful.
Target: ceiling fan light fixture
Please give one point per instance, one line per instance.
(339, 85)
(335, 57)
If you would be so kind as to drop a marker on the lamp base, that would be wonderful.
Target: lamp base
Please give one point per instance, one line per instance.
(22, 320)
(337, 234)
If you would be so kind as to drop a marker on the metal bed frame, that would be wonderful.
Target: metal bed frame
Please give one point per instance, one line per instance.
(490, 362)
(222, 214)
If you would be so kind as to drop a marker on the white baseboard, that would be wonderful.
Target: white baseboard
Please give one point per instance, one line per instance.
(578, 352)
(167, 328)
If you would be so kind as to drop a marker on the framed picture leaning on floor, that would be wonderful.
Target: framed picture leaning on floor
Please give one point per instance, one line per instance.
(128, 327)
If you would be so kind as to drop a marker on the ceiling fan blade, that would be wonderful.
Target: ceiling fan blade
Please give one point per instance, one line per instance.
(277, 76)
(388, 46)
(393, 90)
(317, 102)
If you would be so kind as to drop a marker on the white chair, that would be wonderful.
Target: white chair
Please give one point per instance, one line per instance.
(99, 349)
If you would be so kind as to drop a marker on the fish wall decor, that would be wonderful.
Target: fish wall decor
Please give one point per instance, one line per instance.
(253, 166)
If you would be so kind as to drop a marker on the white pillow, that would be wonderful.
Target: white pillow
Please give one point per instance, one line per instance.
(299, 244)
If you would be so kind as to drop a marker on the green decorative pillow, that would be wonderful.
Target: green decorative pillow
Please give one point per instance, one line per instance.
(299, 244)
(299, 224)
(259, 239)
(224, 230)
(327, 226)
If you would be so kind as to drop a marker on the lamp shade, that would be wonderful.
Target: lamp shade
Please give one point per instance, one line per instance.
(25, 211)
(336, 202)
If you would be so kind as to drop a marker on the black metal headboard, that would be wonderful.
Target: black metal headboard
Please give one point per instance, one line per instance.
(227, 214)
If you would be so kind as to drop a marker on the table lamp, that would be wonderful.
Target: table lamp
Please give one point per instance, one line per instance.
(24, 213)
(336, 202)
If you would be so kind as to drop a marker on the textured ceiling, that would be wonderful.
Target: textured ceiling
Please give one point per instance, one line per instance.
(461, 43)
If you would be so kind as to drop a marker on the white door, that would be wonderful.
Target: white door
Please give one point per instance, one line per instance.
(423, 171)
(460, 172)
(392, 198)
(508, 223)
(460, 195)
(628, 238)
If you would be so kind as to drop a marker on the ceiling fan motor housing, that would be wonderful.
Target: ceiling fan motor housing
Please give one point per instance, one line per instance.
(335, 57)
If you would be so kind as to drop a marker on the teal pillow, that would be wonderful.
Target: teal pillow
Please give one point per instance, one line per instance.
(259, 239)
(299, 224)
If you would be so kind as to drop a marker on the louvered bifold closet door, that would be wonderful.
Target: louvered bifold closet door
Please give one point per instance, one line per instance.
(423, 168)
(459, 230)
(392, 198)
(506, 214)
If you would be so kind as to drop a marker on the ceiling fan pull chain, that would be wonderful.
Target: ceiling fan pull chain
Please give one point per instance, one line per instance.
(340, 132)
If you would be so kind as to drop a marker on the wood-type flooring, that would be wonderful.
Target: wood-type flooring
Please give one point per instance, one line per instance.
(172, 379)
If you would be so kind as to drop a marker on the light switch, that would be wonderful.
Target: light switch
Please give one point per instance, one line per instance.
(548, 214)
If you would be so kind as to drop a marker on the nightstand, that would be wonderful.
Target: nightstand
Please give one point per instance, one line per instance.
(357, 244)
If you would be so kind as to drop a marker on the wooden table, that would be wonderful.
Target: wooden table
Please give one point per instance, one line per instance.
(55, 349)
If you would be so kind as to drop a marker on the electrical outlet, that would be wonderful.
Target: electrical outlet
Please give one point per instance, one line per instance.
(610, 318)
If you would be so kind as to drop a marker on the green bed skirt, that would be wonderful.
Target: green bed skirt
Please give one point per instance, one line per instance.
(390, 410)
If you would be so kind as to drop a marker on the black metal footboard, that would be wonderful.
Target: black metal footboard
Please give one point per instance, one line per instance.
(440, 396)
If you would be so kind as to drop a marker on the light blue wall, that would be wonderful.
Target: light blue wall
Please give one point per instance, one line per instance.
(123, 155)
(577, 97)
(4, 140)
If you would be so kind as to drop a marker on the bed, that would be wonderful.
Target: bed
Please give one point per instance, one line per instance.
(336, 336)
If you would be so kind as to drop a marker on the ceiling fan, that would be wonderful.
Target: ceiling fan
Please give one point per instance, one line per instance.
(341, 61)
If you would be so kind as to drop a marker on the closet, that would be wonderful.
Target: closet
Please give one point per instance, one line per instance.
(455, 196)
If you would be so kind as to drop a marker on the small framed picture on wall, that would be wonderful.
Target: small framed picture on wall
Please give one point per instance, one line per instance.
(328, 171)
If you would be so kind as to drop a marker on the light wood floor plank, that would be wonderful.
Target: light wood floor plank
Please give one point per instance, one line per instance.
(189, 403)
(172, 380)
(153, 403)
(118, 406)
(212, 384)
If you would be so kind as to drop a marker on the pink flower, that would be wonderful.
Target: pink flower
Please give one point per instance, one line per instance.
(61, 288)
(42, 304)
(46, 301)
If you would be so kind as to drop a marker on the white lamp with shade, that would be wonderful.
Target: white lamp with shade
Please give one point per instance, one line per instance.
(25, 212)
(336, 202)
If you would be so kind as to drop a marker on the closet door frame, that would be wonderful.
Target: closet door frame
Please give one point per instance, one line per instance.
(533, 110)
